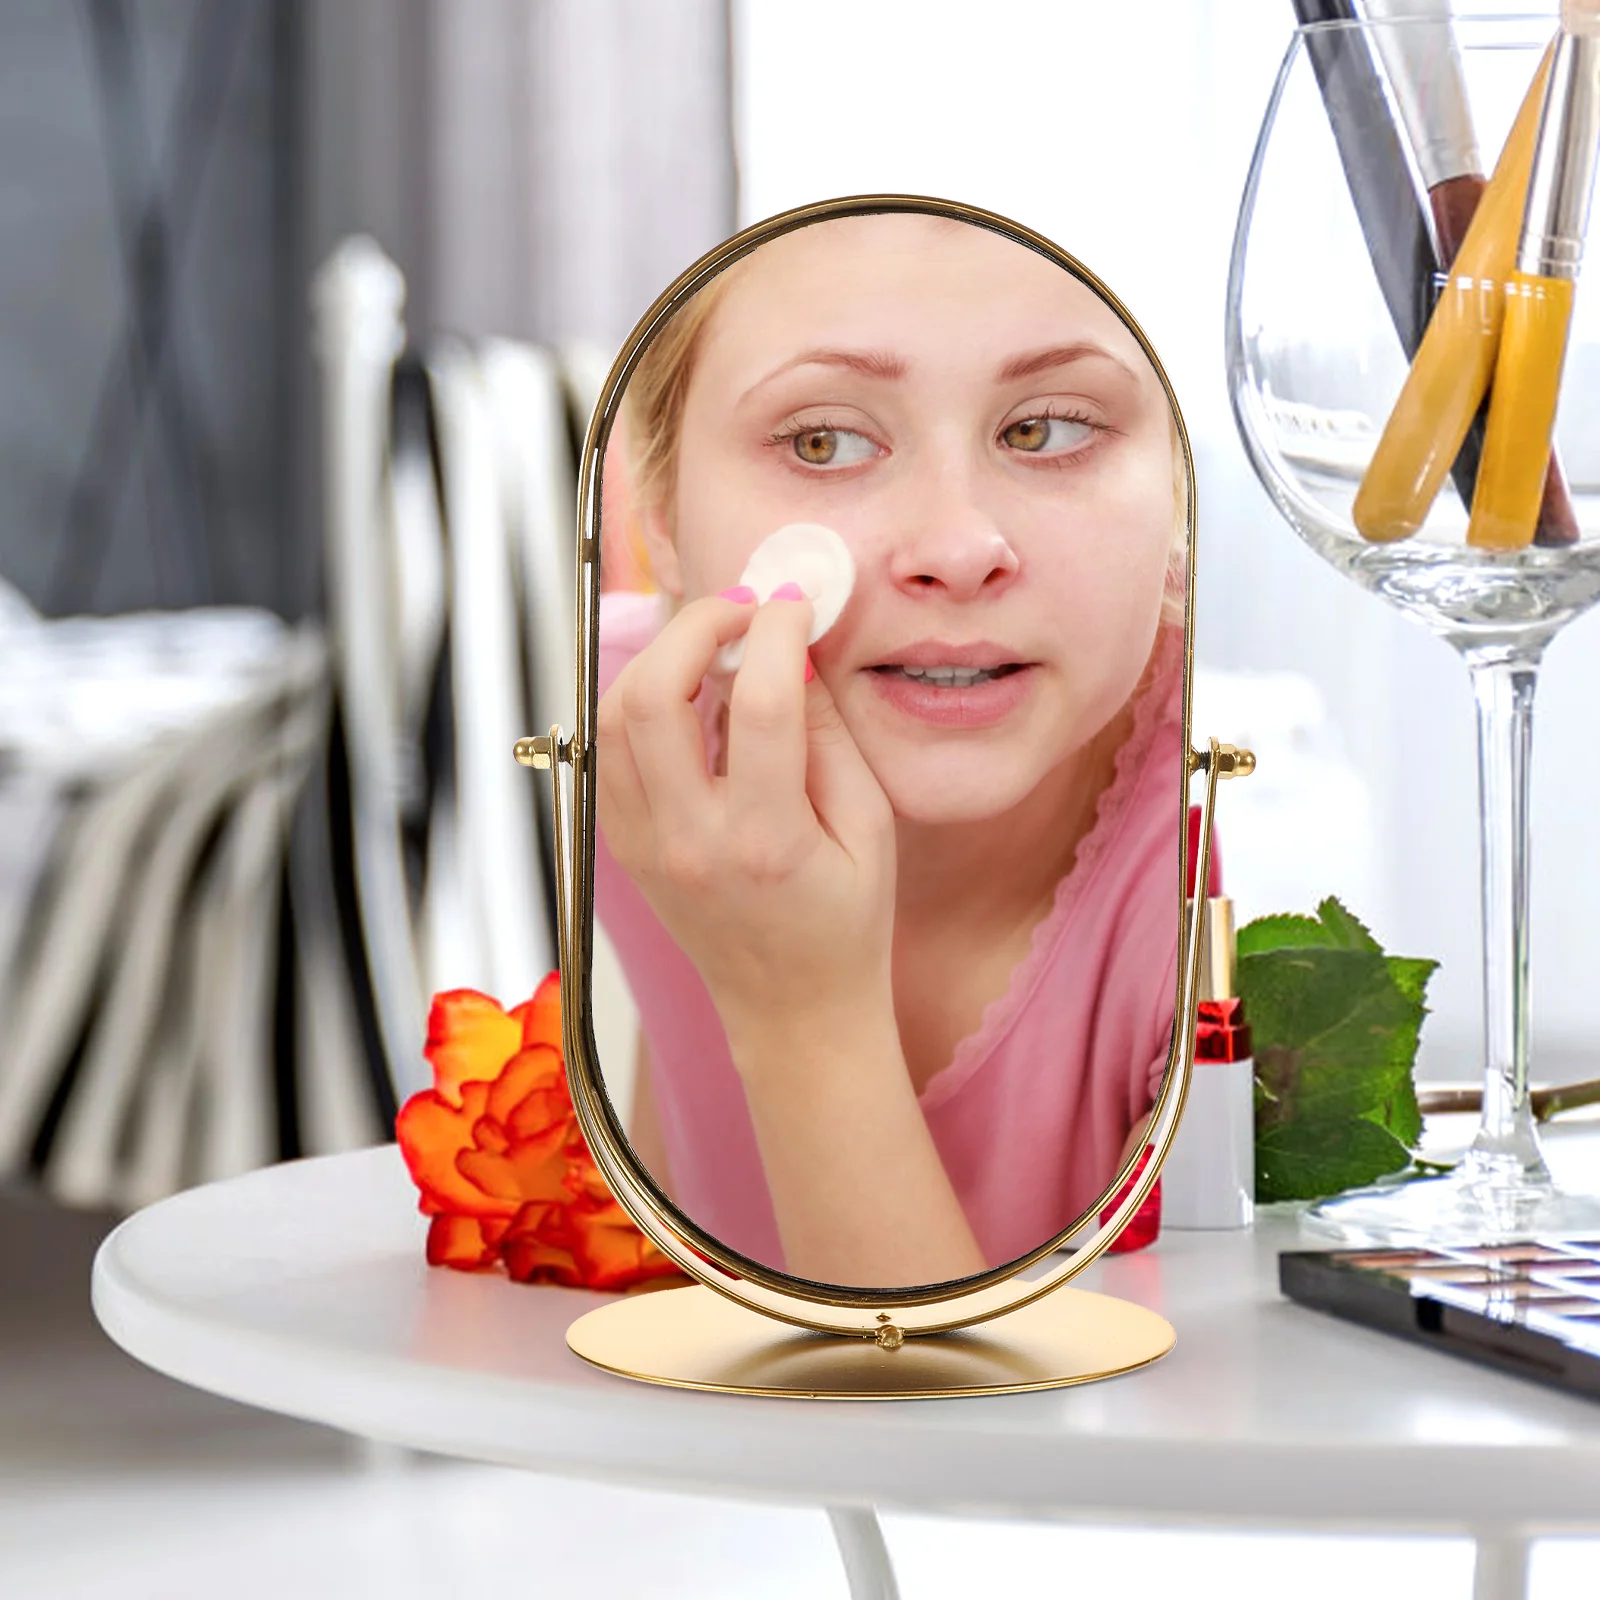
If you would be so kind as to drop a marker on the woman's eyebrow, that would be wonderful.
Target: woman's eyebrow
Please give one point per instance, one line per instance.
(869, 363)
(1059, 355)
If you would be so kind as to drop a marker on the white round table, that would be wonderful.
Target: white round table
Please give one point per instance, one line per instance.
(302, 1289)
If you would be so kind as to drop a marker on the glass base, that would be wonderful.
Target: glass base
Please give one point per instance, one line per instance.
(1515, 600)
(1477, 1203)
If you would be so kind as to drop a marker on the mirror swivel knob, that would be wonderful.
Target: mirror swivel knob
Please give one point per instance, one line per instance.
(543, 751)
(1232, 763)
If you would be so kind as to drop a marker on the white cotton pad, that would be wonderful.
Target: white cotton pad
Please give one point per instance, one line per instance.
(806, 553)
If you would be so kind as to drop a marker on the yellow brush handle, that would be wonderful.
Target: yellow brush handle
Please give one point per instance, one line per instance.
(1522, 412)
(1441, 396)
(1456, 359)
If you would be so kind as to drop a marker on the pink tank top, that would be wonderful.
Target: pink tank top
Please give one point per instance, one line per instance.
(1035, 1106)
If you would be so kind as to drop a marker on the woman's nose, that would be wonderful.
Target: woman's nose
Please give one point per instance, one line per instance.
(952, 545)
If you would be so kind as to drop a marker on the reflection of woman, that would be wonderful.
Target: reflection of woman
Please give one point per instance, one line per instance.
(903, 946)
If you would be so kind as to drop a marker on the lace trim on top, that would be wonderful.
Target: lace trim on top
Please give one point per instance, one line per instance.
(1157, 705)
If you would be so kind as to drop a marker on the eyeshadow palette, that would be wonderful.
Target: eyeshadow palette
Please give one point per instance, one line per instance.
(1531, 1308)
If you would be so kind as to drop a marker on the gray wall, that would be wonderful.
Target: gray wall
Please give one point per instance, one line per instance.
(539, 168)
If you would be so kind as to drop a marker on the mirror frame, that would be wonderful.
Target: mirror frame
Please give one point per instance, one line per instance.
(822, 1307)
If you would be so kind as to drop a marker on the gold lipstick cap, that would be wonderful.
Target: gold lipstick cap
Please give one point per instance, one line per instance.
(1216, 980)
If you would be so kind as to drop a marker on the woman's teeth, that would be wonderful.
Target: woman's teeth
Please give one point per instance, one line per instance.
(949, 677)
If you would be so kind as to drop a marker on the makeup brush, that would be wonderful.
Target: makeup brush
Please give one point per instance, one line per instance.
(1374, 162)
(1423, 66)
(1538, 295)
(1452, 369)
(1429, 89)
(1378, 175)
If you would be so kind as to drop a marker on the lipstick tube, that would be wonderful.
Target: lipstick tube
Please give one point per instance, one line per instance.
(1209, 1178)
(1538, 296)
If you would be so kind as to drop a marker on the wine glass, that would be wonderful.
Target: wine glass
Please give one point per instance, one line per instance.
(1335, 269)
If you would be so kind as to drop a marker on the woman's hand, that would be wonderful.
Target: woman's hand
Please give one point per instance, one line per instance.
(776, 879)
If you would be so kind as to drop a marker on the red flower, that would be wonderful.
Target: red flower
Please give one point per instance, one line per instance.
(497, 1153)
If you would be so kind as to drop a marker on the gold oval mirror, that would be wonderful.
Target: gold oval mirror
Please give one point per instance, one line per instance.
(881, 771)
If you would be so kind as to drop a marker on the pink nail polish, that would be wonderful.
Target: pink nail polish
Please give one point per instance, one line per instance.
(740, 592)
(811, 671)
(790, 591)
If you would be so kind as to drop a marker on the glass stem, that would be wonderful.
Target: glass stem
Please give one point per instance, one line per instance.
(1503, 688)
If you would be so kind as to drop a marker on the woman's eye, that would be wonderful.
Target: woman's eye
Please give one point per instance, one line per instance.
(1046, 435)
(832, 447)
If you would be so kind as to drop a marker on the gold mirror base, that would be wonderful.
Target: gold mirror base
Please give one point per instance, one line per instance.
(698, 1339)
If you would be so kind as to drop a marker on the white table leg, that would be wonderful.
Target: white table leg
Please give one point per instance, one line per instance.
(866, 1557)
(1500, 1571)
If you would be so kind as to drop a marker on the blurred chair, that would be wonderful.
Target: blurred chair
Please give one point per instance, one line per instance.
(450, 477)
(163, 1022)
(235, 861)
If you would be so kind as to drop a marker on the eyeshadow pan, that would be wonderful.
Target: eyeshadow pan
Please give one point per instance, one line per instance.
(1522, 1289)
(1518, 1252)
(1530, 1307)
(1452, 1272)
(1385, 1258)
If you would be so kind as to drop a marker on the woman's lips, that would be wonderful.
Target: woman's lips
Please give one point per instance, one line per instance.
(976, 705)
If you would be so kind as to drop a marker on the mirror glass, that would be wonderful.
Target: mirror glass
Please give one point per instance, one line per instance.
(888, 749)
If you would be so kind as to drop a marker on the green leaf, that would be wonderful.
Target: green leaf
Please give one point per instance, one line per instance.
(1411, 974)
(1401, 1114)
(1330, 1028)
(1334, 927)
(1306, 1160)
(1336, 1024)
(1348, 931)
(1277, 933)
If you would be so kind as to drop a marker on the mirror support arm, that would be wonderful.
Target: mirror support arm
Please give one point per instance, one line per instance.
(549, 753)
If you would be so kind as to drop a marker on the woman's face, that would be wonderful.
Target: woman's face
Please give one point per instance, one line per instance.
(993, 445)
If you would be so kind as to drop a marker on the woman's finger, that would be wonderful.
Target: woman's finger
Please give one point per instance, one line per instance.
(623, 807)
(655, 693)
(842, 789)
(767, 719)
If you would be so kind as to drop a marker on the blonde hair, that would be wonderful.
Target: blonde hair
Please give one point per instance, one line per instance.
(1175, 592)
(652, 404)
(652, 416)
